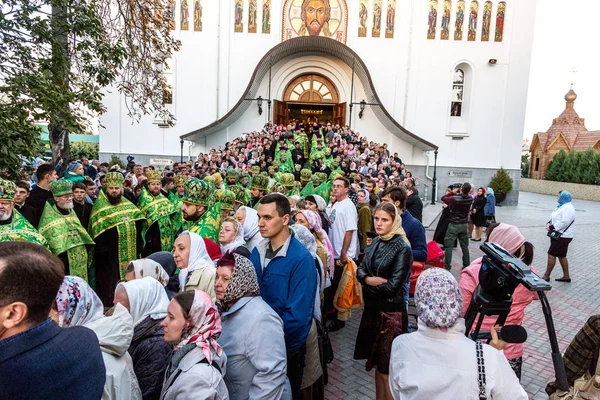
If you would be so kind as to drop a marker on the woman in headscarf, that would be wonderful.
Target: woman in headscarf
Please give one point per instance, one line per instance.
(313, 383)
(511, 239)
(146, 301)
(166, 260)
(316, 203)
(77, 304)
(382, 273)
(439, 361)
(138, 269)
(365, 221)
(562, 221)
(490, 207)
(231, 237)
(196, 268)
(312, 221)
(250, 326)
(196, 370)
(248, 217)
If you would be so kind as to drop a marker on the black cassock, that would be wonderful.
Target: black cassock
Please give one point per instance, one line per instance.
(106, 262)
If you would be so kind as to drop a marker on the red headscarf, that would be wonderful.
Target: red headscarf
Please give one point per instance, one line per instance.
(213, 249)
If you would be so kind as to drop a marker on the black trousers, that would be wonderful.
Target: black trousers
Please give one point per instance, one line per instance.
(295, 369)
(329, 293)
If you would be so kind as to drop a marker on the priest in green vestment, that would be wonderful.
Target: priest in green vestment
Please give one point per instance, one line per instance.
(160, 214)
(61, 227)
(13, 226)
(116, 225)
(232, 178)
(260, 185)
(201, 213)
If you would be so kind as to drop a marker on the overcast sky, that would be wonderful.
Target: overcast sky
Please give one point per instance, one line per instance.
(566, 38)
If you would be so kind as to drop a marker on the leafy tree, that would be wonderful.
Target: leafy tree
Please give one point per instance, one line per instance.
(571, 168)
(20, 140)
(589, 167)
(525, 166)
(84, 149)
(501, 182)
(115, 160)
(57, 57)
(556, 170)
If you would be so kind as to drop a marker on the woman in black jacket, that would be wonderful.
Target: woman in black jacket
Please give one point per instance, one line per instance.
(478, 214)
(383, 273)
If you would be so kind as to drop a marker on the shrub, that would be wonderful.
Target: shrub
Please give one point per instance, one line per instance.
(83, 149)
(501, 182)
(575, 166)
(525, 165)
(116, 160)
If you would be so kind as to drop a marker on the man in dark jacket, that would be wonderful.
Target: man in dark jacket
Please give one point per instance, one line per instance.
(288, 280)
(41, 192)
(460, 207)
(21, 194)
(413, 202)
(38, 359)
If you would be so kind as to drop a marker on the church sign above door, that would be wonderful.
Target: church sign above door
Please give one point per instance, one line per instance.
(327, 18)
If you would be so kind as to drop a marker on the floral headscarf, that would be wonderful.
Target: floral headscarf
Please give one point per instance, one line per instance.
(77, 303)
(314, 223)
(243, 282)
(205, 326)
(438, 299)
(306, 238)
(147, 267)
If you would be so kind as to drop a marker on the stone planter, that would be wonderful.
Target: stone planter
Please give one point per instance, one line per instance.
(500, 197)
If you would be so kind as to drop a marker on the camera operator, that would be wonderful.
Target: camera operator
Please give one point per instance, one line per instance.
(439, 361)
(511, 239)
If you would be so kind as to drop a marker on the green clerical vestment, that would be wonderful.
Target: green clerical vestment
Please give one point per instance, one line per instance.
(208, 225)
(159, 209)
(65, 233)
(122, 216)
(20, 230)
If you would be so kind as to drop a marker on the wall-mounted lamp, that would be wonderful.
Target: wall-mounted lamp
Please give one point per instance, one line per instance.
(363, 104)
(492, 61)
(259, 103)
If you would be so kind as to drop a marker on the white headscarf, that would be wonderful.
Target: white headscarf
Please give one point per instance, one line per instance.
(237, 241)
(198, 258)
(147, 267)
(147, 297)
(251, 223)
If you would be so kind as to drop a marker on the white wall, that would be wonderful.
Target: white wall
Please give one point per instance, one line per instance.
(412, 76)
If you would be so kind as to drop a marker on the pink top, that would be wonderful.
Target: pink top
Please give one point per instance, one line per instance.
(469, 279)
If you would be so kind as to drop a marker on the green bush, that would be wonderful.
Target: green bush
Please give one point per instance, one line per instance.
(116, 160)
(575, 166)
(83, 149)
(501, 182)
(525, 166)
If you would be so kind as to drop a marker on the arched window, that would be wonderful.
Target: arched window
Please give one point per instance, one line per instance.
(311, 89)
(168, 90)
(460, 100)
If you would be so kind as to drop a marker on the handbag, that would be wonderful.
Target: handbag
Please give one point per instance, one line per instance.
(586, 387)
(480, 370)
(555, 235)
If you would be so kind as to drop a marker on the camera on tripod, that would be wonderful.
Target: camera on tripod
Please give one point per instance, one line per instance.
(500, 274)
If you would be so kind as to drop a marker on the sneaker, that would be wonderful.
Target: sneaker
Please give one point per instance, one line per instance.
(336, 325)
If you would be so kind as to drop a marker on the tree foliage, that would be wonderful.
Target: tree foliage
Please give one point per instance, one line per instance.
(83, 149)
(575, 166)
(59, 57)
(525, 165)
(19, 138)
(115, 160)
(501, 182)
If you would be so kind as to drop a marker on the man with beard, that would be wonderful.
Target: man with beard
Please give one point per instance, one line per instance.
(82, 208)
(201, 214)
(116, 225)
(260, 183)
(13, 226)
(226, 198)
(160, 216)
(67, 238)
(232, 177)
(243, 180)
(179, 181)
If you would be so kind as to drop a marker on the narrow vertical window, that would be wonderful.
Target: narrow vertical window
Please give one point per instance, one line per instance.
(458, 89)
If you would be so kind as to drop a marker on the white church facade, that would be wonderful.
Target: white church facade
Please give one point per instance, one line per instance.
(445, 75)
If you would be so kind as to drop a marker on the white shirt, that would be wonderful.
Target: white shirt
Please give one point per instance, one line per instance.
(431, 364)
(562, 217)
(346, 219)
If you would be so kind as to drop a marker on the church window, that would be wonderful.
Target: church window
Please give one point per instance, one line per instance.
(537, 162)
(458, 87)
(311, 89)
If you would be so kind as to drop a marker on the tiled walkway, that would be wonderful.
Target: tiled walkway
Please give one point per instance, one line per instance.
(572, 303)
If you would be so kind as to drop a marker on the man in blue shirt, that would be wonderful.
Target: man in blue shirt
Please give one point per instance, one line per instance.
(288, 280)
(38, 359)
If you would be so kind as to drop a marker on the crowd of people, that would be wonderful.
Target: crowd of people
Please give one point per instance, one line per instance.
(222, 277)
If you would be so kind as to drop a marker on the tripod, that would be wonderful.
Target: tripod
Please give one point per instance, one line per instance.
(486, 306)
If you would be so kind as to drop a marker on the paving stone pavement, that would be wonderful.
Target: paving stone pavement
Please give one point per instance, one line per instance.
(571, 303)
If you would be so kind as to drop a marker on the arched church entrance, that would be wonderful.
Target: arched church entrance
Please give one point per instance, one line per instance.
(310, 98)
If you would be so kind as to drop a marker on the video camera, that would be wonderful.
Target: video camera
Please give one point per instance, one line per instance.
(500, 274)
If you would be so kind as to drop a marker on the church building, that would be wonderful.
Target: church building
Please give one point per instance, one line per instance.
(442, 82)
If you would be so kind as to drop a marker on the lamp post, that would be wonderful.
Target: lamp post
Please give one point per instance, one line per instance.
(433, 189)
(181, 144)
